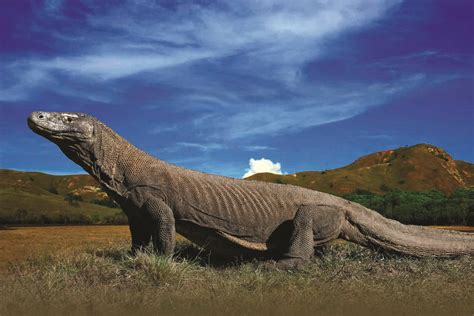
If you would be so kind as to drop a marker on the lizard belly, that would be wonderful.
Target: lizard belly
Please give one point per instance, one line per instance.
(218, 241)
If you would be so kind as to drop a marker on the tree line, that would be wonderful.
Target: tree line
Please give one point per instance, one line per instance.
(421, 208)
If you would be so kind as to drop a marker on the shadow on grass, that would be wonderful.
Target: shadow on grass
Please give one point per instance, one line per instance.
(188, 252)
(185, 251)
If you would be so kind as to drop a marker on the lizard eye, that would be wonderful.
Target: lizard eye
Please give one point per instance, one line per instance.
(69, 120)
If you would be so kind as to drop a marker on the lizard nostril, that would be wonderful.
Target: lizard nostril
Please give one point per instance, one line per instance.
(41, 116)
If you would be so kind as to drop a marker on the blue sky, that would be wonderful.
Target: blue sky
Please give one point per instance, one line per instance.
(208, 85)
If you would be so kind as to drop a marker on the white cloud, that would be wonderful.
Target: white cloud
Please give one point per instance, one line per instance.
(262, 165)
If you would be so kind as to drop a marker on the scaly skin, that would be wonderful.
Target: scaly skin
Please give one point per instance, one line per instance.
(230, 217)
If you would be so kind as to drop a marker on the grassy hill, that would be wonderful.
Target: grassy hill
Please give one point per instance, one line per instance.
(38, 198)
(417, 168)
(41, 183)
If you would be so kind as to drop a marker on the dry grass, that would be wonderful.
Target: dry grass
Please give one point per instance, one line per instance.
(17, 243)
(345, 280)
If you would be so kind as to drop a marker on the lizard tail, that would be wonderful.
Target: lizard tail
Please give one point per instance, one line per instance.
(369, 228)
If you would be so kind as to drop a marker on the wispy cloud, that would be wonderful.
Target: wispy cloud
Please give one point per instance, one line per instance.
(209, 147)
(204, 147)
(265, 37)
(164, 129)
(52, 6)
(312, 107)
(257, 147)
(377, 136)
(400, 63)
(110, 65)
(22, 82)
(237, 66)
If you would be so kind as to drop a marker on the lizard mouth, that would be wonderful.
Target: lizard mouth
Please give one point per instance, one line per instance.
(36, 128)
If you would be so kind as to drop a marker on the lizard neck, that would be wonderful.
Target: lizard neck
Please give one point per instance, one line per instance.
(117, 164)
(108, 152)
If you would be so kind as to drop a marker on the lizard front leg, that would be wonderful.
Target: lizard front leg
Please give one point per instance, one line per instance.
(140, 231)
(163, 232)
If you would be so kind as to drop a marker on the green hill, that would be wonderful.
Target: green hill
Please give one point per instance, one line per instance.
(417, 168)
(40, 183)
(38, 198)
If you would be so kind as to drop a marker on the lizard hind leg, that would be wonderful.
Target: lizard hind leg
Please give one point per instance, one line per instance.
(312, 225)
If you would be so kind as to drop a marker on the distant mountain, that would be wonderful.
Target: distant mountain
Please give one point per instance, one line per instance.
(421, 167)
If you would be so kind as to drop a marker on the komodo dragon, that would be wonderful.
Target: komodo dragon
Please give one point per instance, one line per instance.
(230, 217)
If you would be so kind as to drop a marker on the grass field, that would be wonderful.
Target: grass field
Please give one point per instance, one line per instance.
(18, 243)
(94, 275)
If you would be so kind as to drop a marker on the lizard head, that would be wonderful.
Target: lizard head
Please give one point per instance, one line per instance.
(62, 127)
(81, 137)
(74, 133)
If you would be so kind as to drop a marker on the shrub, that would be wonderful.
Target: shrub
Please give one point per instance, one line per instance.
(106, 202)
(52, 189)
(73, 199)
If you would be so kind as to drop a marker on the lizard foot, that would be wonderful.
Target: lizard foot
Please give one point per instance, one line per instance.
(284, 264)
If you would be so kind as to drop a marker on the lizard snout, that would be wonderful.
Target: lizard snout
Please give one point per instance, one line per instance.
(35, 117)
